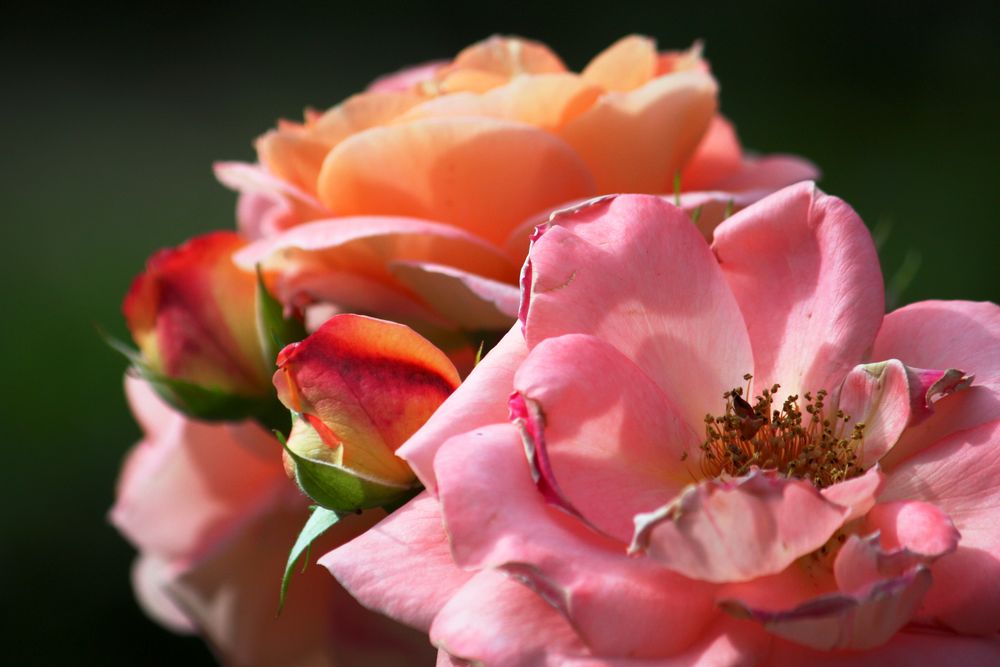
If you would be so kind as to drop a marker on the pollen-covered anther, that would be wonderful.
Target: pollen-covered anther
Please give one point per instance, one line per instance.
(799, 440)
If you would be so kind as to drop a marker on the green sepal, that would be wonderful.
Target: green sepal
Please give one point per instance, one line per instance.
(200, 402)
(337, 488)
(320, 521)
(274, 330)
(696, 215)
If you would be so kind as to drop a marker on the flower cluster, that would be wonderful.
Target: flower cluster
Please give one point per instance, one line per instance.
(691, 435)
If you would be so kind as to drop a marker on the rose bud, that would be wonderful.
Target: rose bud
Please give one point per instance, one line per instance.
(193, 315)
(358, 388)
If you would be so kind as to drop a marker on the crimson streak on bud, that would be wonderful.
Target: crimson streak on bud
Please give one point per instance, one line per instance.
(359, 388)
(191, 312)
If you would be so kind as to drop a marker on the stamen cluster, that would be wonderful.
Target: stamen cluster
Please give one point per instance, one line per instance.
(808, 446)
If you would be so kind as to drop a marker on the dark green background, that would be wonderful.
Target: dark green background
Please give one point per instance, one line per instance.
(110, 122)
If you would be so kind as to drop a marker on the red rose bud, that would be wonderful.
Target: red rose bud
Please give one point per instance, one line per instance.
(192, 314)
(358, 388)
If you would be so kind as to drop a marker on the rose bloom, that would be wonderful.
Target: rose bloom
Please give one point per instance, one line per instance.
(714, 454)
(414, 199)
(208, 505)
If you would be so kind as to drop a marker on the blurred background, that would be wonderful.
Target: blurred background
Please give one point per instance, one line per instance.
(111, 120)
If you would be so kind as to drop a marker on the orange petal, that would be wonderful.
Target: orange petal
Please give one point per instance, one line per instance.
(471, 301)
(637, 141)
(625, 65)
(547, 101)
(480, 174)
(293, 156)
(509, 56)
(360, 112)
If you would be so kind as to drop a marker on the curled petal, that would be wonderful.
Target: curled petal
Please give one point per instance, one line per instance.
(837, 621)
(918, 527)
(472, 302)
(736, 531)
(627, 64)
(858, 494)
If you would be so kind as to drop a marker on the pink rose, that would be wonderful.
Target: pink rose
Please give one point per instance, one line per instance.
(719, 454)
(414, 199)
(213, 515)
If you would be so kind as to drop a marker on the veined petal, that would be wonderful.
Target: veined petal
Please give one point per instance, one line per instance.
(802, 266)
(740, 530)
(587, 577)
(668, 307)
(615, 443)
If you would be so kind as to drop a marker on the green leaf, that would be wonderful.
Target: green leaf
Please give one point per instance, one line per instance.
(320, 521)
(200, 402)
(274, 330)
(340, 489)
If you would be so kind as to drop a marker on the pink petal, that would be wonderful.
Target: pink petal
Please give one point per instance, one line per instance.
(770, 172)
(858, 494)
(151, 577)
(379, 566)
(618, 605)
(738, 530)
(804, 270)
(918, 527)
(906, 649)
(837, 621)
(480, 400)
(267, 204)
(958, 475)
(614, 441)
(493, 620)
(470, 301)
(187, 487)
(668, 308)
(879, 397)
(942, 335)
(717, 157)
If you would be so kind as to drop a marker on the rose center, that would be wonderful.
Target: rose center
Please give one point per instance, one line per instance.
(799, 439)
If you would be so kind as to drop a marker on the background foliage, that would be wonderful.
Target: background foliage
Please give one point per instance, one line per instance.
(111, 120)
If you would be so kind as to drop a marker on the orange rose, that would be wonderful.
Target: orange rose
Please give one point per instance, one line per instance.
(421, 192)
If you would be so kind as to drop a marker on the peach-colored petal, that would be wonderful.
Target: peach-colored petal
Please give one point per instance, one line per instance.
(377, 567)
(802, 266)
(407, 78)
(508, 57)
(637, 141)
(357, 113)
(364, 385)
(480, 400)
(614, 441)
(692, 341)
(547, 101)
(480, 174)
(493, 620)
(470, 301)
(945, 334)
(625, 65)
(618, 605)
(858, 494)
(958, 474)
(737, 530)
(292, 156)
